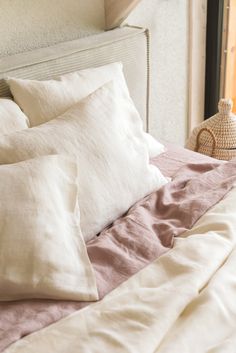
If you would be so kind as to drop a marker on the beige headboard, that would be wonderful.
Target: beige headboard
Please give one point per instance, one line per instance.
(127, 44)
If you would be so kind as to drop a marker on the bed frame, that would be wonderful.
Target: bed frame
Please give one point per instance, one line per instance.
(127, 44)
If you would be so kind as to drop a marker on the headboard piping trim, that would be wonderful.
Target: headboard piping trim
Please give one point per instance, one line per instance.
(147, 33)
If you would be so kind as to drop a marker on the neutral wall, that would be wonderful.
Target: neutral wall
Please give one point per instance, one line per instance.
(177, 60)
(28, 24)
(168, 24)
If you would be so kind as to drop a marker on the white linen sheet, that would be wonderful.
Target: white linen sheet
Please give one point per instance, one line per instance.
(183, 302)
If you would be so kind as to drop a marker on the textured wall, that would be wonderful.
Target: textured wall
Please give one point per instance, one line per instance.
(28, 24)
(168, 22)
(50, 21)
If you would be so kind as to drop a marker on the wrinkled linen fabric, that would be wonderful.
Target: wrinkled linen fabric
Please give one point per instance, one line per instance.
(149, 228)
(45, 100)
(105, 134)
(182, 302)
(11, 117)
(42, 250)
(140, 246)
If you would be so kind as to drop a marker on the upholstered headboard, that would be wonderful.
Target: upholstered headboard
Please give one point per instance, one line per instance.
(127, 44)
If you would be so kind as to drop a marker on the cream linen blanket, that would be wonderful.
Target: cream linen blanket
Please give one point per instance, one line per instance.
(183, 302)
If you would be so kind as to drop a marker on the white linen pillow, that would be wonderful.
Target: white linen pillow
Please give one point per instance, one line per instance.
(11, 117)
(154, 147)
(42, 251)
(105, 134)
(45, 100)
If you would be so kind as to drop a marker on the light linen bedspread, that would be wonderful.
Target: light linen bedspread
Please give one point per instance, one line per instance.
(182, 302)
(131, 243)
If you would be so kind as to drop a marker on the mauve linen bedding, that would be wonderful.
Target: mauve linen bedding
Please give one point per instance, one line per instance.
(135, 240)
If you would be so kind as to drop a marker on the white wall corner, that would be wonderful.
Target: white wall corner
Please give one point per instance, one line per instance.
(117, 11)
(197, 59)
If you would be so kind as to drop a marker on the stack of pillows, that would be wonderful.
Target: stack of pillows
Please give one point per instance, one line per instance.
(82, 163)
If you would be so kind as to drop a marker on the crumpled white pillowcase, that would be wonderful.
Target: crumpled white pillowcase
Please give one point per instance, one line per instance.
(104, 132)
(42, 251)
(11, 117)
(45, 100)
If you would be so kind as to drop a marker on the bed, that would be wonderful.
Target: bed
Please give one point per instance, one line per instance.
(163, 274)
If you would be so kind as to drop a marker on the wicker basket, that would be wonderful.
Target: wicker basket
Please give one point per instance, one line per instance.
(216, 137)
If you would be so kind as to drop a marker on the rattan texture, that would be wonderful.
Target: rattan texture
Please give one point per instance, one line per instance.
(216, 137)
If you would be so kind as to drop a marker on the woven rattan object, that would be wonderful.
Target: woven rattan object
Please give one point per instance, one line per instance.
(216, 137)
